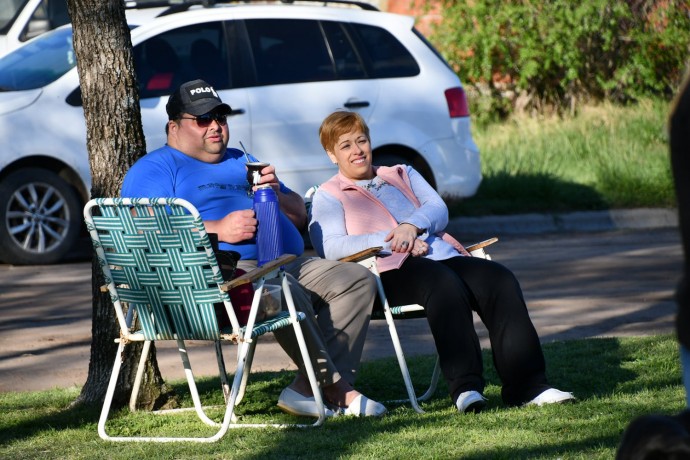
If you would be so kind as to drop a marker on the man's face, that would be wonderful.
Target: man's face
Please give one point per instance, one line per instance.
(204, 137)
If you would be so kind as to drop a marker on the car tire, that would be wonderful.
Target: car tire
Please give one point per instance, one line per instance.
(391, 159)
(40, 217)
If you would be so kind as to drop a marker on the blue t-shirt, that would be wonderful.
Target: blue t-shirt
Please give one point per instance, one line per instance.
(215, 189)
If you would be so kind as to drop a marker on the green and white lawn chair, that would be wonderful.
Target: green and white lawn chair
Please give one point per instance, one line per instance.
(163, 279)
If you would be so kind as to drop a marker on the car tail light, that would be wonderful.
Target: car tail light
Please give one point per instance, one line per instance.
(457, 102)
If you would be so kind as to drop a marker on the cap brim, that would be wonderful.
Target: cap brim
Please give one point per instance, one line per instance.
(209, 106)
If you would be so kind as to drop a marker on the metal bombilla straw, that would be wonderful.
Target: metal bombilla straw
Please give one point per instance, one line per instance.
(246, 155)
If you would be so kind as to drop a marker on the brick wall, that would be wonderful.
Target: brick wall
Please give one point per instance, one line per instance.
(413, 8)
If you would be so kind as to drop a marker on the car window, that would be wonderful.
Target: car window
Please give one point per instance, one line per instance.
(384, 55)
(9, 10)
(167, 60)
(345, 57)
(38, 63)
(288, 51)
(50, 14)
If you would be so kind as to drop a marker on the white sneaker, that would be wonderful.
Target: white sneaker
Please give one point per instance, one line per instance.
(470, 401)
(551, 396)
(296, 404)
(362, 406)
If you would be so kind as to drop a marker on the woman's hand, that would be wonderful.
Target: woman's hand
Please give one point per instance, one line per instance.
(403, 238)
(420, 248)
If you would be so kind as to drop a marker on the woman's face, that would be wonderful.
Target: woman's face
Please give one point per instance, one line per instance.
(352, 154)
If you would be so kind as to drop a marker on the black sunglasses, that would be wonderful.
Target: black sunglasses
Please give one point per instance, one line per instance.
(204, 121)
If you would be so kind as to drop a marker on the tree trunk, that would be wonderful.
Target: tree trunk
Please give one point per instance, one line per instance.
(115, 139)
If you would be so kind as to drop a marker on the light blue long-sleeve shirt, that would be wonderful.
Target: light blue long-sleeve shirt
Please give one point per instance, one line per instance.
(328, 231)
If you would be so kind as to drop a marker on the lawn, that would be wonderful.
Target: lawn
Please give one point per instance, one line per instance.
(605, 157)
(615, 380)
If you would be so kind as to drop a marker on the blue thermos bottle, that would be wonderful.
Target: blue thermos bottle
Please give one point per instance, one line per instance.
(269, 239)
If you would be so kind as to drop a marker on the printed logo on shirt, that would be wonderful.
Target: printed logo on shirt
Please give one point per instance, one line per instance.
(216, 185)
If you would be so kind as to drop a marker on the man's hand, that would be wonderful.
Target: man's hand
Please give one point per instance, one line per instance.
(234, 227)
(291, 204)
(268, 176)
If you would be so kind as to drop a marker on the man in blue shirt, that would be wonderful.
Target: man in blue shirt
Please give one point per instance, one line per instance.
(197, 165)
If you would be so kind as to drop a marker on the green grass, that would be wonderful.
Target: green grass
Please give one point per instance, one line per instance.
(614, 379)
(606, 157)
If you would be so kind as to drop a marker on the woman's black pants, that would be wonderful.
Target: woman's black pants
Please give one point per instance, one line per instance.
(450, 290)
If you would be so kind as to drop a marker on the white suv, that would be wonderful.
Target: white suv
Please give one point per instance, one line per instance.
(282, 69)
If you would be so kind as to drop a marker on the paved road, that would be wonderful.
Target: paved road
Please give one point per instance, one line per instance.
(577, 285)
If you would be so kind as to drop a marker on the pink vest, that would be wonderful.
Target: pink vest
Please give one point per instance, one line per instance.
(364, 213)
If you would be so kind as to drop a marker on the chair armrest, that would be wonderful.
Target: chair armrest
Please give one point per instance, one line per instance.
(481, 244)
(361, 255)
(365, 254)
(258, 272)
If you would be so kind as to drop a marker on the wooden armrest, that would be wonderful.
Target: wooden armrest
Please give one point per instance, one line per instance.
(258, 272)
(361, 255)
(481, 244)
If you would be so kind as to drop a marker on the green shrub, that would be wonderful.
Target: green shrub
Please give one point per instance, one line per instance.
(541, 56)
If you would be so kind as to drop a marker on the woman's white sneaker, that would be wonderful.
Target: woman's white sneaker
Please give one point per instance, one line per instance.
(470, 401)
(551, 396)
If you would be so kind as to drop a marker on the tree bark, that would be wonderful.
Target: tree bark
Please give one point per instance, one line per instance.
(115, 139)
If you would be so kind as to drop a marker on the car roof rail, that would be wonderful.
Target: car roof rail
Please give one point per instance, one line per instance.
(362, 5)
(176, 6)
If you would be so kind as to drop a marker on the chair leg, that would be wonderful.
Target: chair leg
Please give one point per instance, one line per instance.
(305, 354)
(182, 348)
(434, 381)
(224, 383)
(107, 402)
(245, 378)
(245, 353)
(402, 363)
(140, 373)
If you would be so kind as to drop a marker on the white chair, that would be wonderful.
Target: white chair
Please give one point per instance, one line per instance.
(401, 312)
(163, 279)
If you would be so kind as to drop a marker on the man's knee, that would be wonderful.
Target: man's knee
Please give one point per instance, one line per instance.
(354, 279)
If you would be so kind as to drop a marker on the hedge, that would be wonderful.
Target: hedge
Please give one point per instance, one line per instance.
(553, 55)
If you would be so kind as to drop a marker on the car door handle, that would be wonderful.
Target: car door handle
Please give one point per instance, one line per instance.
(357, 104)
(234, 112)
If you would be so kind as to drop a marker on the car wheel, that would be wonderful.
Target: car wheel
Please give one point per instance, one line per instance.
(388, 159)
(391, 159)
(39, 217)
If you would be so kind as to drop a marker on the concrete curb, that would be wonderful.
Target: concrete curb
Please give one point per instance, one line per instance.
(587, 221)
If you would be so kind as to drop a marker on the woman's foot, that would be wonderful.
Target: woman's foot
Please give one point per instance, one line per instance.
(551, 396)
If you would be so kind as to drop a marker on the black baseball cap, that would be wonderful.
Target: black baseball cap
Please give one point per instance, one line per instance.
(195, 98)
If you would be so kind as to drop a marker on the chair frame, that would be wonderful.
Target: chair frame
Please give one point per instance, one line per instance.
(367, 258)
(135, 235)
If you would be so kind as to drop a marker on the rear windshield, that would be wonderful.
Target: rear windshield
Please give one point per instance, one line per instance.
(38, 63)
